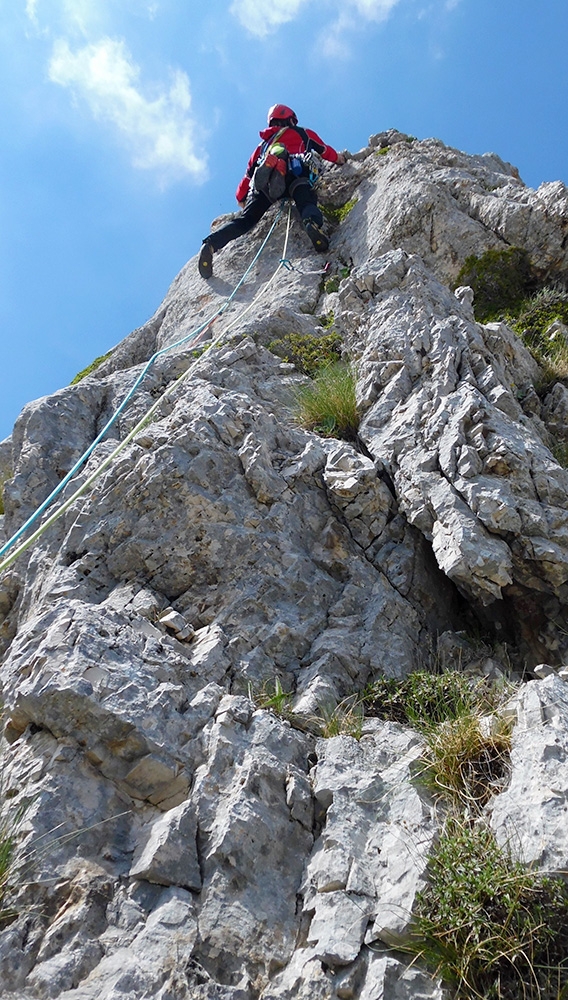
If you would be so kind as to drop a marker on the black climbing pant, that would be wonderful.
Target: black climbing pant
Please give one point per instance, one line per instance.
(306, 202)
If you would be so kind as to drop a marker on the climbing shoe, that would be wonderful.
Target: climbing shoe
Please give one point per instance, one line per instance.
(205, 262)
(318, 238)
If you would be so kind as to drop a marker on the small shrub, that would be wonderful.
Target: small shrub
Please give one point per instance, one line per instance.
(90, 368)
(560, 452)
(382, 151)
(327, 322)
(332, 284)
(328, 405)
(308, 353)
(423, 699)
(539, 312)
(339, 213)
(501, 281)
(532, 323)
(488, 925)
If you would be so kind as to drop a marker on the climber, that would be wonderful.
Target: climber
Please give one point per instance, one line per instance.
(282, 131)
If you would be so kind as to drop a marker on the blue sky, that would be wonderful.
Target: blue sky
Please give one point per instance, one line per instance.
(125, 126)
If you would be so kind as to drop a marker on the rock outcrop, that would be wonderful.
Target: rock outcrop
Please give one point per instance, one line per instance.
(173, 838)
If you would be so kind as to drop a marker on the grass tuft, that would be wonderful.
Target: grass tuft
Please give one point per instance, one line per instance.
(11, 816)
(273, 698)
(328, 404)
(560, 452)
(465, 763)
(344, 719)
(491, 927)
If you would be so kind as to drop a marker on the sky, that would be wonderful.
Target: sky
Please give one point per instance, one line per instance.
(125, 126)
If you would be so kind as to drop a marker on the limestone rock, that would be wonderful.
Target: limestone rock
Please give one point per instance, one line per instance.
(169, 856)
(178, 841)
(359, 885)
(529, 817)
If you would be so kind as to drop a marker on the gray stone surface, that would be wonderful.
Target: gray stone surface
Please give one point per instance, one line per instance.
(530, 817)
(174, 839)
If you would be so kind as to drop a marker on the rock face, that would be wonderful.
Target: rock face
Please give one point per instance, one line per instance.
(175, 839)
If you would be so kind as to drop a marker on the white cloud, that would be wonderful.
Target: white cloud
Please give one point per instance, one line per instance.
(69, 14)
(81, 14)
(84, 17)
(333, 39)
(159, 131)
(260, 17)
(374, 10)
(31, 10)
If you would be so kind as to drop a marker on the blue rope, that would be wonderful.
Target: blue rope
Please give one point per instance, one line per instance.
(190, 336)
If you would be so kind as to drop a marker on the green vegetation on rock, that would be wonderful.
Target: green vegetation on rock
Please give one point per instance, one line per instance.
(338, 214)
(3, 479)
(332, 283)
(501, 280)
(533, 322)
(344, 719)
(308, 353)
(506, 288)
(272, 698)
(560, 452)
(328, 404)
(424, 699)
(90, 368)
(465, 762)
(488, 925)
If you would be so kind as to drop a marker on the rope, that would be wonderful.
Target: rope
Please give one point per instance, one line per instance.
(196, 336)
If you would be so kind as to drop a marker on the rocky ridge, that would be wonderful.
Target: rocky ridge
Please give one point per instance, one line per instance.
(177, 840)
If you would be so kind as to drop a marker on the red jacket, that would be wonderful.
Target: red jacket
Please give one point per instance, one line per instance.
(294, 144)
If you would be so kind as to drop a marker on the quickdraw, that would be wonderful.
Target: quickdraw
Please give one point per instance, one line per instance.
(289, 266)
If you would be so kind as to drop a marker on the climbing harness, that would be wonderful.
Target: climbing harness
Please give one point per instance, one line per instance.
(195, 336)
